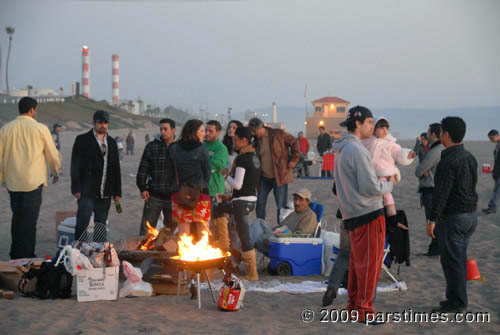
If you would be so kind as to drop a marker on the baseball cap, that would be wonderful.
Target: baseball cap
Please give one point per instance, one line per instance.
(357, 113)
(101, 116)
(304, 193)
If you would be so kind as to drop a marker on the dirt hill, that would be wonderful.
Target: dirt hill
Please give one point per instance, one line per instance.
(76, 114)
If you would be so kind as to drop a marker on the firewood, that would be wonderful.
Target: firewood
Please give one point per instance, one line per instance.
(8, 295)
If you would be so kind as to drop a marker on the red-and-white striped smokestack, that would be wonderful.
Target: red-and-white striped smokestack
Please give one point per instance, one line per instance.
(85, 71)
(116, 78)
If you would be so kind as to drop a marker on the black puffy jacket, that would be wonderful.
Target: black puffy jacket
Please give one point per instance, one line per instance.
(192, 163)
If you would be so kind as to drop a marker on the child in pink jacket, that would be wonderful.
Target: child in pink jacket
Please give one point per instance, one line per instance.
(385, 153)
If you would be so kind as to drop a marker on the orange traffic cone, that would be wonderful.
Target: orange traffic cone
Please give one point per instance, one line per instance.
(473, 270)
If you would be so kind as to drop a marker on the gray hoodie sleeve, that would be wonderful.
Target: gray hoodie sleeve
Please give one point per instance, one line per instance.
(368, 183)
(430, 160)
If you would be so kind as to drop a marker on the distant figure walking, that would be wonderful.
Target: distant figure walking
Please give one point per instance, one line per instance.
(56, 130)
(492, 204)
(130, 141)
(26, 147)
(304, 149)
(119, 144)
(323, 144)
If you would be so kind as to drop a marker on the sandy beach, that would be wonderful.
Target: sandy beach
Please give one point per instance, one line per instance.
(264, 313)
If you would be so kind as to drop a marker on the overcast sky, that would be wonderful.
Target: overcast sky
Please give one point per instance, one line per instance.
(247, 54)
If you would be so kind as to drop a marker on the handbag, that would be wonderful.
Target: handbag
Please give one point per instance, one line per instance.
(187, 196)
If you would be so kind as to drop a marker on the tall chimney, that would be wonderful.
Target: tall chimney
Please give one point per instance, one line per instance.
(275, 113)
(116, 78)
(85, 72)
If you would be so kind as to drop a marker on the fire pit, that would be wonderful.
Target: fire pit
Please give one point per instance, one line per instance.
(198, 267)
(196, 257)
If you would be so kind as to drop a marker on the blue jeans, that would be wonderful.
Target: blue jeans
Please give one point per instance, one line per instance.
(151, 212)
(25, 208)
(280, 195)
(239, 209)
(86, 206)
(495, 194)
(455, 232)
(259, 233)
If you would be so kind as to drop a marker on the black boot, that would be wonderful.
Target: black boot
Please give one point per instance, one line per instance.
(330, 294)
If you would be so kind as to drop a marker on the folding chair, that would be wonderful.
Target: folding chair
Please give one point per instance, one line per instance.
(319, 210)
(387, 250)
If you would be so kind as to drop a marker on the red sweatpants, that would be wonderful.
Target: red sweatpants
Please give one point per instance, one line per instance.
(365, 263)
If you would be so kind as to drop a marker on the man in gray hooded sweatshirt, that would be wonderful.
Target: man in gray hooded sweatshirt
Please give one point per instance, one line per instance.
(360, 196)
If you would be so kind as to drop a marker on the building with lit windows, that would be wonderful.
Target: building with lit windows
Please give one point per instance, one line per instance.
(328, 112)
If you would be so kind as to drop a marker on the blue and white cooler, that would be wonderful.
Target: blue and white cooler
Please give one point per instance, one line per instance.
(66, 232)
(296, 256)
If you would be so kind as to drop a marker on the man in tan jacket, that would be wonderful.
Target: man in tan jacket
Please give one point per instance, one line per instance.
(273, 149)
(26, 147)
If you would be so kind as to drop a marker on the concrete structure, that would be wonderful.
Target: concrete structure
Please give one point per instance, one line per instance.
(275, 113)
(136, 107)
(85, 72)
(116, 79)
(249, 114)
(34, 92)
(328, 112)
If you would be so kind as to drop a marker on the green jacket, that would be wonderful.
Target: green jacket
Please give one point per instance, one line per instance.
(218, 161)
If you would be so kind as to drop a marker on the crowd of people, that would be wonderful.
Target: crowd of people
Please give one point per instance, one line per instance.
(201, 183)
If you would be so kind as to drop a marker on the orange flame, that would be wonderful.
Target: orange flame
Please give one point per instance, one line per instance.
(199, 251)
(152, 235)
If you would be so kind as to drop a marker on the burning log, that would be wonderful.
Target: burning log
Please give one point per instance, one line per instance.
(151, 236)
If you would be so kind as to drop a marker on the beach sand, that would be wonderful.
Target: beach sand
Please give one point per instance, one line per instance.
(264, 313)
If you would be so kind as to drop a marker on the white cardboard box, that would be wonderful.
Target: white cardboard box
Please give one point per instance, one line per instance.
(97, 284)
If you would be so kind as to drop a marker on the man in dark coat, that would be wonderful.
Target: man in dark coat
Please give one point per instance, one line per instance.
(95, 176)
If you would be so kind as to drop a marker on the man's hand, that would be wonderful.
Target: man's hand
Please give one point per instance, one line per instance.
(402, 226)
(55, 179)
(430, 228)
(291, 165)
(116, 198)
(224, 172)
(412, 154)
(144, 195)
(427, 173)
(78, 195)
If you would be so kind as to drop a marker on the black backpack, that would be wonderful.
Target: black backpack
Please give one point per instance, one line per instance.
(52, 282)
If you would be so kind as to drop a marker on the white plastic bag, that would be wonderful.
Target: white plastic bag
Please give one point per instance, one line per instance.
(73, 260)
(331, 245)
(134, 286)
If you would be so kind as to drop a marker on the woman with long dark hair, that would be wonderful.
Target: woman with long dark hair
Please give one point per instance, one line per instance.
(243, 179)
(228, 141)
(189, 165)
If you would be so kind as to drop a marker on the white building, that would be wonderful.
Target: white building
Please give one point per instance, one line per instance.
(34, 92)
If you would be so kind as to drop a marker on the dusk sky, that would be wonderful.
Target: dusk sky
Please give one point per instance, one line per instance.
(247, 54)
